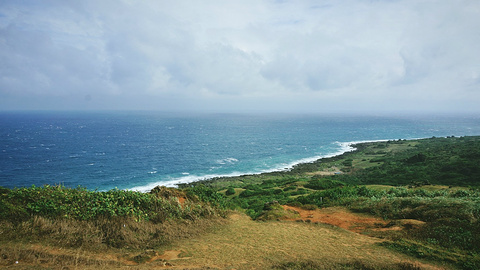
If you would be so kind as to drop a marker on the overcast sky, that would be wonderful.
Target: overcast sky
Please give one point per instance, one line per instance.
(236, 56)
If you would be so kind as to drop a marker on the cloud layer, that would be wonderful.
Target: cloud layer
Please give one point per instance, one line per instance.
(307, 56)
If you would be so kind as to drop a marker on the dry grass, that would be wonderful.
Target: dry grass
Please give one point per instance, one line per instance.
(239, 243)
(43, 243)
(245, 244)
(103, 233)
(34, 256)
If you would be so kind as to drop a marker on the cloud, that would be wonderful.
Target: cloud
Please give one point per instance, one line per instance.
(42, 57)
(240, 55)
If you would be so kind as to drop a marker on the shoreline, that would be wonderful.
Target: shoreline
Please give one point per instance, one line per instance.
(344, 148)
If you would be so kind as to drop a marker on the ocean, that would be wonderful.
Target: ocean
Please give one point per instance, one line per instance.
(139, 150)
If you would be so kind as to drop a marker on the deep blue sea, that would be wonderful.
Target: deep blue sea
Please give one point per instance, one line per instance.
(139, 150)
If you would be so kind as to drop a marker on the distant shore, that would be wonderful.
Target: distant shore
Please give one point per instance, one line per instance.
(345, 148)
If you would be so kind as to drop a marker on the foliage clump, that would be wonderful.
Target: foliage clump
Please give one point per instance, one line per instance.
(274, 211)
(116, 218)
(319, 184)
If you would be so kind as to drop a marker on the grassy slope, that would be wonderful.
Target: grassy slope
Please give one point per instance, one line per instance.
(389, 179)
(393, 180)
(241, 243)
(246, 244)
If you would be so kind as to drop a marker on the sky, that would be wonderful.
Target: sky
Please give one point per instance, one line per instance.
(241, 56)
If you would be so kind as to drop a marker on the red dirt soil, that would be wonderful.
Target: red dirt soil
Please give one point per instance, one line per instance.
(340, 217)
(182, 200)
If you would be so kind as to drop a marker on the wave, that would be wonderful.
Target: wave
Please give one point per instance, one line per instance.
(187, 178)
(229, 160)
(173, 182)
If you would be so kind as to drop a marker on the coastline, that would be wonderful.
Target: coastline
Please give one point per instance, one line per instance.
(344, 148)
(172, 149)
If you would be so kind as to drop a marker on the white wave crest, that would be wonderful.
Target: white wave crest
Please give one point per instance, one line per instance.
(173, 182)
(229, 160)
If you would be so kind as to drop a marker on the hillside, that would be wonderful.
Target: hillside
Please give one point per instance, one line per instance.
(388, 205)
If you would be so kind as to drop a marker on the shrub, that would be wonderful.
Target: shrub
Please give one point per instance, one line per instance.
(21, 204)
(289, 188)
(299, 191)
(209, 195)
(319, 184)
(230, 191)
(247, 193)
(347, 162)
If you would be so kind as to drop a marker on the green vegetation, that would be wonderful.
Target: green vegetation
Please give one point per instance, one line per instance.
(116, 218)
(21, 204)
(435, 181)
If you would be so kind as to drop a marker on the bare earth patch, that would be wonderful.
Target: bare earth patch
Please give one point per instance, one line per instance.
(339, 217)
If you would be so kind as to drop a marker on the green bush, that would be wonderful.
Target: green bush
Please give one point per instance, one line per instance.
(347, 163)
(338, 196)
(452, 233)
(319, 184)
(299, 191)
(20, 204)
(209, 195)
(230, 191)
(289, 188)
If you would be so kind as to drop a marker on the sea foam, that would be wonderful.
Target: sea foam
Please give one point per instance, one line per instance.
(189, 178)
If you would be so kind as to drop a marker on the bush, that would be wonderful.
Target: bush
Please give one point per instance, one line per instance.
(347, 162)
(230, 191)
(338, 196)
(289, 188)
(21, 204)
(319, 184)
(209, 195)
(299, 191)
(452, 233)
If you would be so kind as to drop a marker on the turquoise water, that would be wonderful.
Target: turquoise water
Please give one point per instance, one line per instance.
(139, 150)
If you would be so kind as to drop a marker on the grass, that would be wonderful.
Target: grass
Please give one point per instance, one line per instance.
(434, 181)
(240, 243)
(433, 252)
(246, 244)
(78, 218)
(102, 234)
(95, 244)
(356, 264)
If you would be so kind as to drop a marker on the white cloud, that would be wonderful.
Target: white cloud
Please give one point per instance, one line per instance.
(238, 55)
